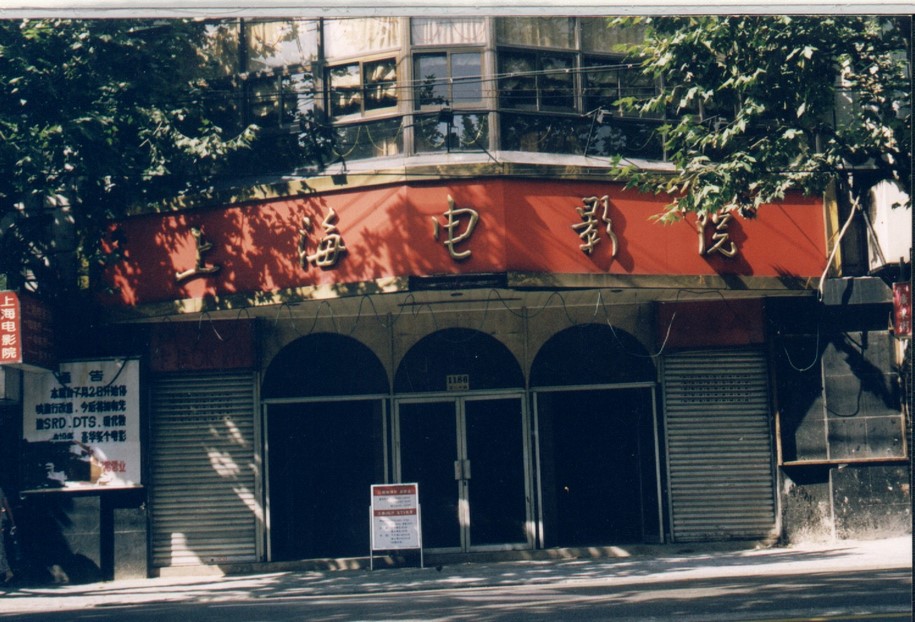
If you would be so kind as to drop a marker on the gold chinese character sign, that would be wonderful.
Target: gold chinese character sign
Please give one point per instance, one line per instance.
(452, 225)
(200, 268)
(587, 229)
(721, 239)
(330, 247)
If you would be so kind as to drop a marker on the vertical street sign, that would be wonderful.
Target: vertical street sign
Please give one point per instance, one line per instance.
(10, 329)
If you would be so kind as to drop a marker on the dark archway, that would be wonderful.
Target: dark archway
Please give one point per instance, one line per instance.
(478, 427)
(591, 354)
(486, 362)
(597, 438)
(324, 364)
(325, 442)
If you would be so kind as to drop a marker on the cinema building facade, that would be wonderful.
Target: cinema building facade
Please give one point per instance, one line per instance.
(467, 300)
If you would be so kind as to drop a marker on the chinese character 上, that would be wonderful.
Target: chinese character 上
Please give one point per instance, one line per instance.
(200, 267)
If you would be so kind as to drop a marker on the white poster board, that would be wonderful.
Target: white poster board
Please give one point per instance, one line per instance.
(396, 517)
(81, 426)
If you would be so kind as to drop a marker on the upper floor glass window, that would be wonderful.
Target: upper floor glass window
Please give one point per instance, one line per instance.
(279, 100)
(447, 79)
(353, 36)
(220, 56)
(554, 32)
(598, 36)
(362, 87)
(281, 43)
(537, 81)
(447, 31)
(607, 80)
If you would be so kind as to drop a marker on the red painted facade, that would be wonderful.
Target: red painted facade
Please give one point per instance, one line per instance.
(523, 226)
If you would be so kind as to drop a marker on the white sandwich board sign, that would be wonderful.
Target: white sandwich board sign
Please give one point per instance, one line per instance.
(396, 517)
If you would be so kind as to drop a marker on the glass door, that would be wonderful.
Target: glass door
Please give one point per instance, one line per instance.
(495, 487)
(470, 459)
(428, 451)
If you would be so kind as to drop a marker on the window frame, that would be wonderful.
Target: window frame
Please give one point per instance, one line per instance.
(448, 78)
(365, 111)
(539, 106)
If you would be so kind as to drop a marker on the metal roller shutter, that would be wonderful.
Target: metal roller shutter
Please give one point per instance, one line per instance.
(719, 446)
(203, 499)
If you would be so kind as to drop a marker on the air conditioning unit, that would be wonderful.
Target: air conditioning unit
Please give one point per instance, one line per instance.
(890, 214)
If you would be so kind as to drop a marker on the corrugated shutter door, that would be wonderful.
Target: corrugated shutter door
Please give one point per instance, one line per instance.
(719, 446)
(203, 498)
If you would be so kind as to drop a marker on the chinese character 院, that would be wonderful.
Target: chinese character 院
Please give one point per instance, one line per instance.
(721, 240)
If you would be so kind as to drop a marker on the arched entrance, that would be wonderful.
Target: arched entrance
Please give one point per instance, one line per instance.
(460, 430)
(594, 401)
(324, 397)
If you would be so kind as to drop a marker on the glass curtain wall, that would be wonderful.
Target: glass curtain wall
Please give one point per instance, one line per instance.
(560, 81)
(449, 109)
(391, 86)
(363, 79)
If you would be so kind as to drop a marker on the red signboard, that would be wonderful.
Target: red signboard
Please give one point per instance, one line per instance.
(186, 346)
(10, 329)
(38, 340)
(691, 324)
(902, 309)
(332, 240)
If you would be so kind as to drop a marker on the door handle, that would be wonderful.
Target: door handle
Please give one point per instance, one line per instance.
(461, 470)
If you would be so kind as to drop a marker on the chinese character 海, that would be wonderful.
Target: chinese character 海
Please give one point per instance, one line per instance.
(452, 217)
(200, 267)
(587, 228)
(330, 247)
(721, 240)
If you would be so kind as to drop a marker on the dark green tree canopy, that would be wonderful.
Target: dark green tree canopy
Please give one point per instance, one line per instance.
(763, 104)
(97, 117)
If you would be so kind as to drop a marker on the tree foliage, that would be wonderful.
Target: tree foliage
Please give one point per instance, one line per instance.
(763, 104)
(97, 117)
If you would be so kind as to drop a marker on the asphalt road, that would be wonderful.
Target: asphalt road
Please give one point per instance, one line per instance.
(881, 595)
(833, 582)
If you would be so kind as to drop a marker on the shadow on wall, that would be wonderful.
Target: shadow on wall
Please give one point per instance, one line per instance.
(840, 403)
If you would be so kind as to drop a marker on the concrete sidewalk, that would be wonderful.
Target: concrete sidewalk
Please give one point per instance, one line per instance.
(666, 563)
